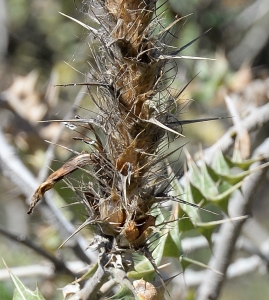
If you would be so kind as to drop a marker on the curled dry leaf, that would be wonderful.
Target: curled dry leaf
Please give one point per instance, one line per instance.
(70, 166)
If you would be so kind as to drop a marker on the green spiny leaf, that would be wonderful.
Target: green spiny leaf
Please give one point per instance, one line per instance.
(184, 221)
(172, 246)
(187, 261)
(192, 212)
(169, 242)
(206, 229)
(123, 294)
(21, 292)
(89, 273)
(197, 195)
(222, 199)
(212, 173)
(245, 164)
(237, 155)
(194, 171)
(184, 263)
(234, 179)
(208, 186)
(220, 164)
(143, 269)
(175, 232)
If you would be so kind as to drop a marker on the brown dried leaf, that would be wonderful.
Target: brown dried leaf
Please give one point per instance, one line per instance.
(69, 167)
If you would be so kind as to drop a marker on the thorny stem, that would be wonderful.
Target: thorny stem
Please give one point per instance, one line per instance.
(190, 245)
(240, 267)
(121, 278)
(93, 285)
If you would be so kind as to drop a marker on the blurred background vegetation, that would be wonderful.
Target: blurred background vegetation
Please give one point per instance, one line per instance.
(40, 48)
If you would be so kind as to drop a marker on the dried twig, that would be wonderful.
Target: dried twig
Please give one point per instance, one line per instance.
(59, 265)
(240, 267)
(45, 270)
(190, 245)
(258, 118)
(93, 285)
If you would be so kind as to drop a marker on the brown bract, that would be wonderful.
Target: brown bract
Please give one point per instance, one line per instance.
(147, 291)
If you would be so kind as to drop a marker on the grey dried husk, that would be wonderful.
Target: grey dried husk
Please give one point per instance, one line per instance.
(127, 163)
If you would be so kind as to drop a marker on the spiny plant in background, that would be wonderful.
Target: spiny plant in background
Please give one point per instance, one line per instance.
(129, 178)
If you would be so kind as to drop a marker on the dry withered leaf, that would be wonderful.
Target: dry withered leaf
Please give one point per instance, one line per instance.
(69, 167)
